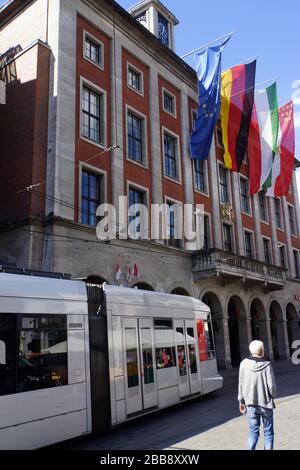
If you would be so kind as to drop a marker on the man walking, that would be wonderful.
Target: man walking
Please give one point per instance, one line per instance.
(257, 390)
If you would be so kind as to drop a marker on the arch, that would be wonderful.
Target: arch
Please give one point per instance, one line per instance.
(277, 330)
(213, 302)
(237, 326)
(293, 324)
(143, 286)
(259, 328)
(180, 291)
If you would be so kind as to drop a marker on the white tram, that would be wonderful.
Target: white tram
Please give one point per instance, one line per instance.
(77, 359)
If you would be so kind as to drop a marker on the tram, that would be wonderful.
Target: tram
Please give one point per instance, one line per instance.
(78, 359)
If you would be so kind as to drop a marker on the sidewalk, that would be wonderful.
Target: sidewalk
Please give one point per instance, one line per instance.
(232, 435)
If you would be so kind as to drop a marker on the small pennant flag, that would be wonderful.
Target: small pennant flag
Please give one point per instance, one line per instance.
(118, 272)
(136, 273)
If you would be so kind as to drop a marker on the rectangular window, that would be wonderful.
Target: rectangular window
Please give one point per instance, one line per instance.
(163, 30)
(135, 197)
(292, 220)
(169, 103)
(205, 340)
(200, 179)
(263, 206)
(248, 245)
(194, 119)
(227, 239)
(206, 244)
(93, 51)
(92, 115)
(146, 340)
(267, 251)
(90, 197)
(192, 350)
(135, 137)
(220, 138)
(224, 194)
(296, 263)
(131, 358)
(282, 256)
(278, 213)
(135, 79)
(43, 360)
(244, 196)
(170, 154)
(165, 357)
(172, 226)
(8, 355)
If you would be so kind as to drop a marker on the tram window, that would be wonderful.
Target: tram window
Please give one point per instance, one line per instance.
(205, 340)
(162, 323)
(7, 354)
(165, 357)
(181, 354)
(147, 356)
(131, 357)
(192, 350)
(43, 358)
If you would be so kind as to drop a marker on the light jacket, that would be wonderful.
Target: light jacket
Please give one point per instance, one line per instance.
(257, 386)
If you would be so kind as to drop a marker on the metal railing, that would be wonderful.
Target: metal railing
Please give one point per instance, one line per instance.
(207, 259)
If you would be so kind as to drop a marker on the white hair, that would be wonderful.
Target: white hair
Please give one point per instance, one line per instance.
(257, 348)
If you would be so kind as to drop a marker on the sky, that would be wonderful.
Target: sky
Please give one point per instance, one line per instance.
(268, 29)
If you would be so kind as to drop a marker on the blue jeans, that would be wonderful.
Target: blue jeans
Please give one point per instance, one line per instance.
(256, 414)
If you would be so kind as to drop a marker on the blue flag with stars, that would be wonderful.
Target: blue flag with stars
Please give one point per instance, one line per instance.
(209, 87)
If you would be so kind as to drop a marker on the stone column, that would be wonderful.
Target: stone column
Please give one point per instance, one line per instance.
(287, 228)
(214, 194)
(258, 236)
(236, 202)
(272, 219)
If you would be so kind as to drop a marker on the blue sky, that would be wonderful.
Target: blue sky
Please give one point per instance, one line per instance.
(267, 29)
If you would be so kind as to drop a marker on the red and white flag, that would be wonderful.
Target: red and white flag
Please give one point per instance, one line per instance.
(283, 164)
(128, 275)
(118, 272)
(136, 273)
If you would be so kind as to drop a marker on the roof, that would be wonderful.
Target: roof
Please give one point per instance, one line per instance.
(129, 296)
(144, 4)
(13, 7)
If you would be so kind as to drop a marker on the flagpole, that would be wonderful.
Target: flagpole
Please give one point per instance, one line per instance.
(208, 44)
(259, 84)
(241, 63)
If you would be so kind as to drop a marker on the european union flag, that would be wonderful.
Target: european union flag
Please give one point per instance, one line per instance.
(209, 86)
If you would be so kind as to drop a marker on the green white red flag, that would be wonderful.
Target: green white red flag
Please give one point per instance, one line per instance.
(283, 165)
(263, 137)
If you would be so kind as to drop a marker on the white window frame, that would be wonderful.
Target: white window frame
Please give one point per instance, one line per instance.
(129, 65)
(230, 224)
(250, 232)
(219, 144)
(168, 199)
(177, 180)
(249, 214)
(193, 112)
(167, 92)
(100, 91)
(205, 168)
(131, 185)
(285, 254)
(87, 35)
(271, 251)
(295, 249)
(228, 184)
(267, 222)
(138, 114)
(281, 214)
(92, 169)
(294, 217)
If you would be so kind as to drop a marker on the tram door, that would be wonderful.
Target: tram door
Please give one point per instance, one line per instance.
(141, 389)
(187, 362)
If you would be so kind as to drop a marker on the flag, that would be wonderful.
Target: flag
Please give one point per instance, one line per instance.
(263, 136)
(208, 72)
(118, 272)
(136, 273)
(128, 275)
(237, 97)
(283, 165)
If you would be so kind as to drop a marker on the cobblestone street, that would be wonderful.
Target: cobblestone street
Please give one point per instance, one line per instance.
(209, 423)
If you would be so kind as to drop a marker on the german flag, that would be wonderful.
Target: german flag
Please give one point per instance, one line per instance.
(237, 98)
